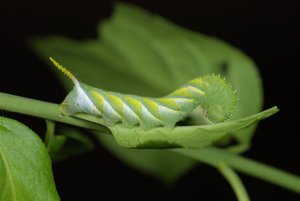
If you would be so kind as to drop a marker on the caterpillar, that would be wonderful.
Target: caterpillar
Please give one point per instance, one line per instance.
(212, 93)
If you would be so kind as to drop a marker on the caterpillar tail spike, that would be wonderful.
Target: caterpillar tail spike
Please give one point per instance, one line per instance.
(211, 92)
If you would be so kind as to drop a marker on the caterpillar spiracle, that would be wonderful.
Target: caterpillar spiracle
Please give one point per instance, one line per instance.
(212, 93)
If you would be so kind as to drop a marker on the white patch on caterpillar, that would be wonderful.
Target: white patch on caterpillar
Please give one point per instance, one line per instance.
(181, 101)
(129, 112)
(192, 88)
(83, 102)
(110, 110)
(148, 114)
(163, 110)
(186, 105)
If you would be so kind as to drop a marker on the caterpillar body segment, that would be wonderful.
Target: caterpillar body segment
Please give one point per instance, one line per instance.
(216, 98)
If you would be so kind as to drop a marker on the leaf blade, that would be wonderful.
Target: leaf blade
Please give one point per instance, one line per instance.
(174, 48)
(183, 136)
(165, 166)
(70, 142)
(26, 168)
(184, 54)
(92, 62)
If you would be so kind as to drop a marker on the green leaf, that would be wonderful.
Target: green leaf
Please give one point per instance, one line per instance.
(25, 167)
(141, 53)
(160, 164)
(183, 55)
(69, 142)
(183, 136)
(91, 62)
(98, 72)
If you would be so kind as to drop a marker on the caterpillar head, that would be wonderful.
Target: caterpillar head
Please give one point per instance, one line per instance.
(219, 100)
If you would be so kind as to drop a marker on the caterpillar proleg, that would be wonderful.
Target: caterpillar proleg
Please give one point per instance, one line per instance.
(211, 92)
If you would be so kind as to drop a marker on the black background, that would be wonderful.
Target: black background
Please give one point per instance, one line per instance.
(265, 30)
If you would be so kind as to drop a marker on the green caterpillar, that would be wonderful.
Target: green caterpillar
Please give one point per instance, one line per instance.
(216, 98)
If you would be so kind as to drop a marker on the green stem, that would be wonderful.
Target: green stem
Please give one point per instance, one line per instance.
(235, 182)
(211, 156)
(43, 110)
(50, 132)
(214, 156)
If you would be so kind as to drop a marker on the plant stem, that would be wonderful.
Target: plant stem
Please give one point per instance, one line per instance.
(50, 132)
(235, 182)
(214, 156)
(43, 110)
(210, 155)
